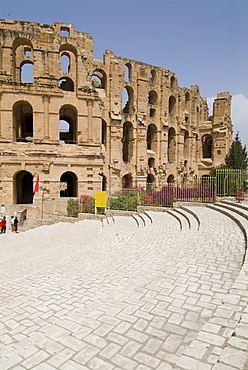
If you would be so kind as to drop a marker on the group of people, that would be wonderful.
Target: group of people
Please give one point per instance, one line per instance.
(13, 222)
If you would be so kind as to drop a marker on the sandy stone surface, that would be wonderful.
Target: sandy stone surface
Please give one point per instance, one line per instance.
(155, 292)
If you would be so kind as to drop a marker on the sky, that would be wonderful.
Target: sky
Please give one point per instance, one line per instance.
(205, 42)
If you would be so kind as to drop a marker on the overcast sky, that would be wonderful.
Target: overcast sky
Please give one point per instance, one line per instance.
(205, 42)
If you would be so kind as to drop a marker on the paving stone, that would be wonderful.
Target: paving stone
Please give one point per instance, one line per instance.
(86, 354)
(124, 362)
(190, 363)
(61, 357)
(35, 359)
(121, 297)
(234, 357)
(97, 363)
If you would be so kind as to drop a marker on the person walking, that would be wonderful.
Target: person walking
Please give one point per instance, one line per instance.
(12, 223)
(16, 224)
(3, 223)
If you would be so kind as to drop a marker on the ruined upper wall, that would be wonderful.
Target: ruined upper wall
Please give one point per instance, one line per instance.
(42, 32)
(48, 43)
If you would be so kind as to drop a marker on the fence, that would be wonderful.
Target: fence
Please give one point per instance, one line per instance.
(229, 181)
(224, 182)
(200, 190)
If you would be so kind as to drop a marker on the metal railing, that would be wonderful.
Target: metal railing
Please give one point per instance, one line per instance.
(228, 180)
(198, 191)
(225, 182)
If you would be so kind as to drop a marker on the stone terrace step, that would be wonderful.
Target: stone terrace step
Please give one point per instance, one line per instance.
(184, 222)
(240, 217)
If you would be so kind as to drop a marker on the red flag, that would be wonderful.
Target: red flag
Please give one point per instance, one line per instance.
(37, 184)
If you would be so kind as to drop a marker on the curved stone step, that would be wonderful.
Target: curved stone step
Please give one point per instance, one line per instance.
(194, 219)
(235, 215)
(185, 221)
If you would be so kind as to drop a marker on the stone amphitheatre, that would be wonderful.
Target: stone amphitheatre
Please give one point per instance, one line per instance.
(85, 124)
(152, 289)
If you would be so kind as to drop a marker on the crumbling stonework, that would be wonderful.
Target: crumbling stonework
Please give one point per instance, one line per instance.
(85, 124)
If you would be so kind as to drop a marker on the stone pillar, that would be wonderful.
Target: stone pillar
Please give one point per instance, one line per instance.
(46, 101)
(159, 148)
(90, 120)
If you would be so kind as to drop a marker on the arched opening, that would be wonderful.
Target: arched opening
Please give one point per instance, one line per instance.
(187, 102)
(68, 60)
(23, 191)
(27, 72)
(127, 140)
(171, 145)
(65, 31)
(172, 82)
(98, 79)
(22, 121)
(207, 144)
(186, 145)
(151, 162)
(127, 99)
(68, 125)
(127, 181)
(65, 62)
(104, 133)
(152, 137)
(66, 83)
(172, 104)
(153, 76)
(152, 97)
(23, 60)
(170, 179)
(128, 72)
(68, 185)
(150, 182)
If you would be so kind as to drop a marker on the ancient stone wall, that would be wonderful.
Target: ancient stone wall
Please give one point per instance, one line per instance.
(85, 124)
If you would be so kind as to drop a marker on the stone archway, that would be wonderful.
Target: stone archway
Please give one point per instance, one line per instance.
(23, 191)
(68, 182)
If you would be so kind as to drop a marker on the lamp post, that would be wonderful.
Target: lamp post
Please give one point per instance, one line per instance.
(43, 188)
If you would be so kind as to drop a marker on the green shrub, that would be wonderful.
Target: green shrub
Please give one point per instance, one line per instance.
(126, 202)
(73, 207)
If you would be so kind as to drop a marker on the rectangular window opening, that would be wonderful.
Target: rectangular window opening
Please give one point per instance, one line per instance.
(28, 52)
(64, 31)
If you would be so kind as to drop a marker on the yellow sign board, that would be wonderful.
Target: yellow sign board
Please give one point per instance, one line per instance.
(101, 199)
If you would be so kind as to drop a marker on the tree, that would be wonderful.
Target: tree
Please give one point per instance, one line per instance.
(237, 157)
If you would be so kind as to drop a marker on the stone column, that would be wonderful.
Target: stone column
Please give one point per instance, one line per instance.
(90, 120)
(46, 101)
(158, 148)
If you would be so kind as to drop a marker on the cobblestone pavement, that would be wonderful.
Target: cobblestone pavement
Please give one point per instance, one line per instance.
(127, 293)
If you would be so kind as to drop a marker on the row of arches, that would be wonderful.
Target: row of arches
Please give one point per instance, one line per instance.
(152, 100)
(152, 142)
(127, 181)
(23, 129)
(23, 185)
(24, 62)
(152, 77)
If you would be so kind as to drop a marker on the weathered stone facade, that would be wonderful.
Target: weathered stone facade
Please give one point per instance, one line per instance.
(85, 124)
